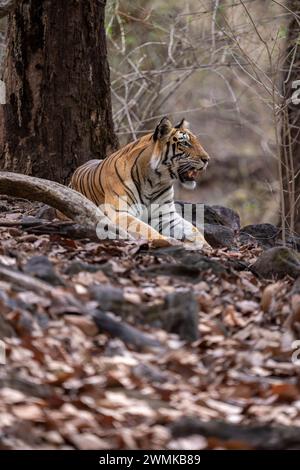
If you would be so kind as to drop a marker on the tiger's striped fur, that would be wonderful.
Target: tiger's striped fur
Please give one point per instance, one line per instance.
(142, 174)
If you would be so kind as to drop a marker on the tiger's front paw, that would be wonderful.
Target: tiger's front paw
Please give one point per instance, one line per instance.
(198, 244)
(164, 242)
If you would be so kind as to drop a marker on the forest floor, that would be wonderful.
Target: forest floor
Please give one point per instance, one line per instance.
(198, 359)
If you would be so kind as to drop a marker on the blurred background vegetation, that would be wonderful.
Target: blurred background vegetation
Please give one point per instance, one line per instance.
(219, 65)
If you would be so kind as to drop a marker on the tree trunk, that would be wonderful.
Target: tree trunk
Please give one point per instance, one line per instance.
(290, 154)
(58, 111)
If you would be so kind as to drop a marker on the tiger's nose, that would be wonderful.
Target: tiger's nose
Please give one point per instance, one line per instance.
(205, 159)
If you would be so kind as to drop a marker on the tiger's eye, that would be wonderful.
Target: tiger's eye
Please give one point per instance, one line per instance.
(175, 139)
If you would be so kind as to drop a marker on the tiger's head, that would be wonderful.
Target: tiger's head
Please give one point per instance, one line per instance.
(178, 151)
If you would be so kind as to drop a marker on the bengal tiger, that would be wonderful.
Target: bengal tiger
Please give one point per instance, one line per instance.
(141, 175)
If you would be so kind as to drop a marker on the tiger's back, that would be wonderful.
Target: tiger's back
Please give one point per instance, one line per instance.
(87, 180)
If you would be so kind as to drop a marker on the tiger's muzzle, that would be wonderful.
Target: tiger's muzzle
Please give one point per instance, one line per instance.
(193, 171)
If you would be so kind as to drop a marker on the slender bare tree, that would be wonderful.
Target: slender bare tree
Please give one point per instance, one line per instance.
(291, 121)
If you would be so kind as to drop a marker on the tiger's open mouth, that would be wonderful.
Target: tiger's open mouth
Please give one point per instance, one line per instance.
(190, 175)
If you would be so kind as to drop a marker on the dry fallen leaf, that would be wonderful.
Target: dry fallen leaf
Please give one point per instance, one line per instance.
(268, 297)
(85, 324)
(28, 412)
(88, 441)
(193, 442)
(247, 306)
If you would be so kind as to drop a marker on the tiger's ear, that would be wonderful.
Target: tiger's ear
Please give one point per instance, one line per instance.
(163, 129)
(183, 124)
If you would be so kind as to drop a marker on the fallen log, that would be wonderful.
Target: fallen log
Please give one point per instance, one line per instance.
(23, 281)
(72, 204)
(63, 229)
(108, 323)
(45, 227)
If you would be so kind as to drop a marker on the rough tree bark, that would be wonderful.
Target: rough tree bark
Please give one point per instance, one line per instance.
(58, 111)
(6, 6)
(290, 154)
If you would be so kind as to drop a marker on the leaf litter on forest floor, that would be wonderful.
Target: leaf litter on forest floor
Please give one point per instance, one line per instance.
(70, 383)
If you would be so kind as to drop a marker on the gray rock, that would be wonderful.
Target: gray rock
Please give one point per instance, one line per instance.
(191, 265)
(218, 235)
(195, 259)
(246, 239)
(211, 216)
(109, 298)
(292, 241)
(42, 268)
(264, 234)
(228, 216)
(178, 313)
(277, 262)
(181, 315)
(215, 215)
